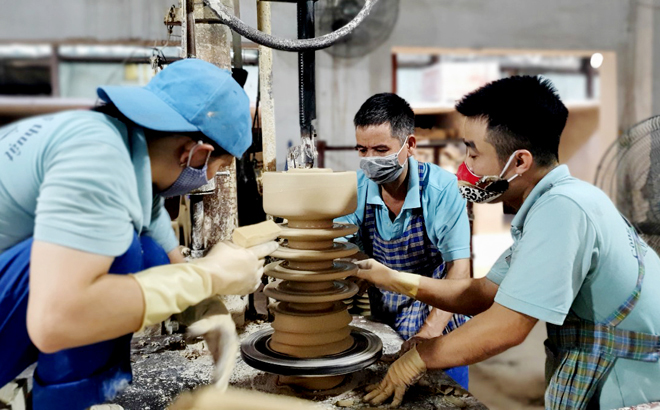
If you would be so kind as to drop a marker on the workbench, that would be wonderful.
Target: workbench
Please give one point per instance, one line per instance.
(164, 366)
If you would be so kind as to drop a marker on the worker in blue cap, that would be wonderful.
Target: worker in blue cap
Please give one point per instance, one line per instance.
(87, 252)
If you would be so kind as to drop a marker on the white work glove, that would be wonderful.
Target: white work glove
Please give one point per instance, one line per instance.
(405, 372)
(228, 269)
(388, 279)
(219, 332)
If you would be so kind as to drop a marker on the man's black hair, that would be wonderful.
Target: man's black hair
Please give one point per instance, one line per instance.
(387, 108)
(522, 112)
(111, 110)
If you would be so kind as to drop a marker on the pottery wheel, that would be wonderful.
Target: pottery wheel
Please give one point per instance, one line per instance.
(366, 349)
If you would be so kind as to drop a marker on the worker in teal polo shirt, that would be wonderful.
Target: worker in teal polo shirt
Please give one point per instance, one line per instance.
(85, 243)
(575, 263)
(411, 218)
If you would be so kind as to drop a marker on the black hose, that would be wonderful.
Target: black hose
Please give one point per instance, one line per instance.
(285, 44)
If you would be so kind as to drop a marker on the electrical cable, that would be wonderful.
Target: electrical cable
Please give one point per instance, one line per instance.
(226, 17)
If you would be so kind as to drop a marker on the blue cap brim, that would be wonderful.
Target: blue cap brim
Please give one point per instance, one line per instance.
(145, 109)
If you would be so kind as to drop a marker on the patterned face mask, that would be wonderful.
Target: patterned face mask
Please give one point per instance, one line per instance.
(189, 179)
(483, 189)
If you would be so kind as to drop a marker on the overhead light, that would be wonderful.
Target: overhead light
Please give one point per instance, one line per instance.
(596, 60)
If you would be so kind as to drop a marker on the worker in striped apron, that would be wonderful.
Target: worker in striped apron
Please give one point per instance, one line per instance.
(411, 218)
(581, 353)
(575, 264)
(412, 252)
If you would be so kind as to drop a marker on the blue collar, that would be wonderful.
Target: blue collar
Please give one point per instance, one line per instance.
(412, 200)
(548, 181)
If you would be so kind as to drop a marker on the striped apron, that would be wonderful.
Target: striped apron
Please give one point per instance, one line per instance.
(582, 353)
(412, 252)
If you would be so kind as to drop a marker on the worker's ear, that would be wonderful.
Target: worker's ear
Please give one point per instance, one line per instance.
(198, 153)
(522, 161)
(412, 145)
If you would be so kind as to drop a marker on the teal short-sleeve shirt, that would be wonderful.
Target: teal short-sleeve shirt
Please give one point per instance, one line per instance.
(443, 208)
(572, 251)
(79, 179)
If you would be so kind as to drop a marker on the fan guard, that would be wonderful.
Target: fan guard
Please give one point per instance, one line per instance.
(629, 173)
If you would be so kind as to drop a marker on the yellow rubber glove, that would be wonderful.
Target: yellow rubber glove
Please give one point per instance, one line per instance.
(388, 279)
(406, 371)
(228, 269)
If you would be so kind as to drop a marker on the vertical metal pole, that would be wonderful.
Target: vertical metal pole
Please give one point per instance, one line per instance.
(190, 29)
(395, 67)
(306, 71)
(197, 247)
(267, 104)
(55, 71)
(236, 39)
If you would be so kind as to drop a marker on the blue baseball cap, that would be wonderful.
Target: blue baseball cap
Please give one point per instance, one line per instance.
(187, 96)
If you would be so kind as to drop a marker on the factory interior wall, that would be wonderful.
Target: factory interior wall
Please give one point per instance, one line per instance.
(83, 20)
(622, 30)
(622, 27)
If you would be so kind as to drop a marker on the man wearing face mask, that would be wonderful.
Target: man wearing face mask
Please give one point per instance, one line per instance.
(85, 243)
(576, 264)
(411, 218)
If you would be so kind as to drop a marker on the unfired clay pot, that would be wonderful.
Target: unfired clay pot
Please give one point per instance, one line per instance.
(316, 194)
(310, 318)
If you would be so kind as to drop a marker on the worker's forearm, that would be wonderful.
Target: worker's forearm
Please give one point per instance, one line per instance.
(438, 319)
(109, 307)
(466, 296)
(458, 269)
(484, 336)
(435, 324)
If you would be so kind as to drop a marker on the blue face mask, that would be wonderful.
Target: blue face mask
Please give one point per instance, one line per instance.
(189, 179)
(383, 170)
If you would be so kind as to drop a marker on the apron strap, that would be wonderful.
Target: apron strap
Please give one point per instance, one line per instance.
(576, 334)
(582, 353)
(576, 380)
(624, 310)
(422, 177)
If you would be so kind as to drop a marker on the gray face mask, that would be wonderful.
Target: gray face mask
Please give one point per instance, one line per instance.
(189, 179)
(383, 170)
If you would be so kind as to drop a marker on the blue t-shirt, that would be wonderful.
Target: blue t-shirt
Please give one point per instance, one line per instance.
(79, 179)
(572, 252)
(443, 208)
